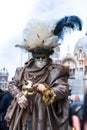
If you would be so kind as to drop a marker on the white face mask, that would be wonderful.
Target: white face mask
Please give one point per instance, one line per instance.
(40, 63)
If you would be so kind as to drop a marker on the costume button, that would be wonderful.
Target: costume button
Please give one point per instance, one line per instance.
(50, 68)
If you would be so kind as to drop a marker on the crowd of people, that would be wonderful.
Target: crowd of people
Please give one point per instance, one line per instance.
(38, 93)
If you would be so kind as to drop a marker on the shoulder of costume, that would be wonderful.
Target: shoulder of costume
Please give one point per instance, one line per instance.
(19, 69)
(61, 68)
(28, 62)
(59, 65)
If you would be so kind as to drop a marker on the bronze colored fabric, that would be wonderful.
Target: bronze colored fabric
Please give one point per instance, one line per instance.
(43, 117)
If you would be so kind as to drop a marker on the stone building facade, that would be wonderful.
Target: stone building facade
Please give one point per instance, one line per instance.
(78, 66)
(3, 78)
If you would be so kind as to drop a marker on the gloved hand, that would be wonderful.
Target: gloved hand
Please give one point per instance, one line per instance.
(48, 93)
(41, 87)
(22, 100)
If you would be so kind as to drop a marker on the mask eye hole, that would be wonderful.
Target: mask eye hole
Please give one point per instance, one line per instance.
(40, 58)
(37, 58)
(43, 58)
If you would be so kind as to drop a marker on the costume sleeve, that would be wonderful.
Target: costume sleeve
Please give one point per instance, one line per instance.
(14, 85)
(59, 81)
(61, 90)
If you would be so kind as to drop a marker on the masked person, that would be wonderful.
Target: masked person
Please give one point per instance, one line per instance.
(40, 89)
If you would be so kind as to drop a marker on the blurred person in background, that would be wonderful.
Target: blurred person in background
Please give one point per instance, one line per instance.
(5, 101)
(76, 115)
(85, 109)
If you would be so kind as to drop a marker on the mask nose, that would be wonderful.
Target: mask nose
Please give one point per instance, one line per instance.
(41, 60)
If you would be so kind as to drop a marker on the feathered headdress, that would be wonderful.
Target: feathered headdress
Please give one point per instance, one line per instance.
(44, 36)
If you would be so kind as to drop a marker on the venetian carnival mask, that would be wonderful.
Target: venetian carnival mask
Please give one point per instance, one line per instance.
(40, 62)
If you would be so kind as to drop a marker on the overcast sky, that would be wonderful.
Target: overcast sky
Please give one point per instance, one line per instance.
(15, 14)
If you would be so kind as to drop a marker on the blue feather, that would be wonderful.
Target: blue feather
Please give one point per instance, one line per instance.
(67, 22)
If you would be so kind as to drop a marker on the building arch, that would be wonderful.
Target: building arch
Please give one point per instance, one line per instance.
(71, 63)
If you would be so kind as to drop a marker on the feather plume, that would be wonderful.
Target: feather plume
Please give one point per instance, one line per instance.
(67, 23)
(39, 35)
(44, 34)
